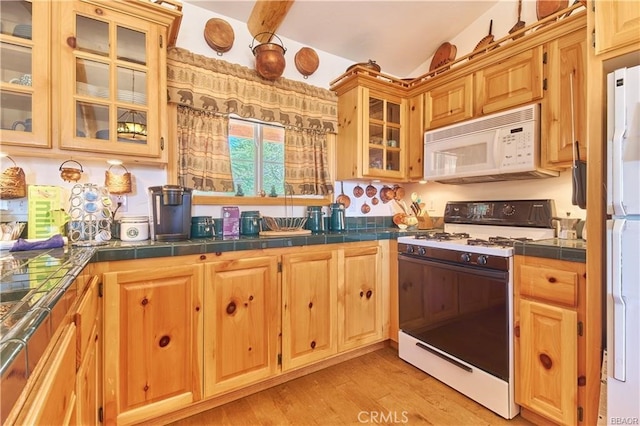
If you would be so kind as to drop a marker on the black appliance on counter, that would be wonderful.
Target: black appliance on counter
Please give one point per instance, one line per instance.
(456, 296)
(170, 212)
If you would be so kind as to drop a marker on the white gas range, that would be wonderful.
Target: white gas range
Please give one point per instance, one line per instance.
(456, 296)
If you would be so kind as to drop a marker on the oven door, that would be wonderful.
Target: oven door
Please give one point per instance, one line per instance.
(461, 310)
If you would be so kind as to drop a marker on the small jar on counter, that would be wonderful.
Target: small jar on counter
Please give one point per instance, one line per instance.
(134, 228)
(202, 227)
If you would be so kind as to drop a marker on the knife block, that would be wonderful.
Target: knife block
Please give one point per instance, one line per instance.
(425, 221)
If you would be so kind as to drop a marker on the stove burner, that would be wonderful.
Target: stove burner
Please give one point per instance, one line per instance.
(442, 236)
(496, 241)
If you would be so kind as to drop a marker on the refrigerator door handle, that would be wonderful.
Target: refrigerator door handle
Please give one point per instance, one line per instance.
(619, 331)
(617, 145)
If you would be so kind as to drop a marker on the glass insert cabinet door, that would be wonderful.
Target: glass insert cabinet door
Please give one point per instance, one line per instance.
(109, 71)
(384, 145)
(24, 90)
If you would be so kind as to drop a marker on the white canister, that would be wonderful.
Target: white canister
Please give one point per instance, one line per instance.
(134, 228)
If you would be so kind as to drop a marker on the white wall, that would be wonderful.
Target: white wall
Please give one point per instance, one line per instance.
(43, 171)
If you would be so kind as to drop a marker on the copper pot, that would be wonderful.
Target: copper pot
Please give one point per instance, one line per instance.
(70, 174)
(269, 56)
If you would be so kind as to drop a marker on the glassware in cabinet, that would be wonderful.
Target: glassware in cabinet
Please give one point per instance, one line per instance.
(24, 66)
(108, 87)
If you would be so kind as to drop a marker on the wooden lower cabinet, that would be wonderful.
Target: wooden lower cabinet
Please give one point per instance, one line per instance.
(240, 322)
(153, 341)
(550, 346)
(89, 343)
(309, 307)
(359, 297)
(54, 399)
(548, 361)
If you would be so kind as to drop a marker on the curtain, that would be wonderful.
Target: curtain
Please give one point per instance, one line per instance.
(306, 165)
(213, 88)
(203, 150)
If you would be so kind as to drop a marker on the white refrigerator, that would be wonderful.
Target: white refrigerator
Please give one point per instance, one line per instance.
(623, 246)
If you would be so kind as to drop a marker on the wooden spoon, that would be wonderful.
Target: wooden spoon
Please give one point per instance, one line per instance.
(519, 25)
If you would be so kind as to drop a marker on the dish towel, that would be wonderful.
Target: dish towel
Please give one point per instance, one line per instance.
(23, 245)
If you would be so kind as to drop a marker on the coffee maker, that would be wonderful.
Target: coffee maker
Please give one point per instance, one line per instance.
(170, 208)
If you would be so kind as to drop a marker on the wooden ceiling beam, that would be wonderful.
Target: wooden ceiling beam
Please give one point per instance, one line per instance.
(266, 17)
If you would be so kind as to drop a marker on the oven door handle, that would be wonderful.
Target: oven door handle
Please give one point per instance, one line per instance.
(444, 357)
(489, 273)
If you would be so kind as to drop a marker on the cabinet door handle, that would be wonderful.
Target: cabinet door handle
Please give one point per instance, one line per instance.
(369, 294)
(231, 308)
(72, 42)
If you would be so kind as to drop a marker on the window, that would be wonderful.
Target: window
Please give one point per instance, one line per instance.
(257, 156)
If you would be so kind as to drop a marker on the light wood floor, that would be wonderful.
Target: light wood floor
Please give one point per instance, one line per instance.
(377, 388)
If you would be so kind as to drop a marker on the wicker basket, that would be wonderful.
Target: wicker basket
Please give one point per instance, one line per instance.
(284, 223)
(118, 184)
(13, 182)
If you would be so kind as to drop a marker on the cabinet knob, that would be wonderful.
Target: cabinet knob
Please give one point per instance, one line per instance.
(164, 341)
(144, 302)
(310, 305)
(99, 11)
(552, 279)
(546, 361)
(71, 42)
(313, 344)
(516, 330)
(231, 308)
(369, 294)
(361, 293)
(203, 257)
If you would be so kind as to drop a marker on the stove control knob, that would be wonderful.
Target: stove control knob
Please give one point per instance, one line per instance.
(482, 259)
(508, 209)
(465, 257)
(410, 249)
(422, 251)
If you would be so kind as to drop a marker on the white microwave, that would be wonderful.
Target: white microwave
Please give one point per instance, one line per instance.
(501, 146)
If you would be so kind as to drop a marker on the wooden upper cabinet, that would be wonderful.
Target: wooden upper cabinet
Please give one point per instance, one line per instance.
(372, 133)
(110, 78)
(512, 82)
(415, 137)
(617, 24)
(449, 103)
(565, 103)
(25, 73)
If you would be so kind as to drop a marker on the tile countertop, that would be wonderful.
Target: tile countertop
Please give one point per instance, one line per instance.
(554, 248)
(32, 283)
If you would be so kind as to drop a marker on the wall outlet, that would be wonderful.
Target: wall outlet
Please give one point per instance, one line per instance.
(122, 199)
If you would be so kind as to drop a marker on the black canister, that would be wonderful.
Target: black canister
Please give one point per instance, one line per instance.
(315, 219)
(250, 223)
(201, 227)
